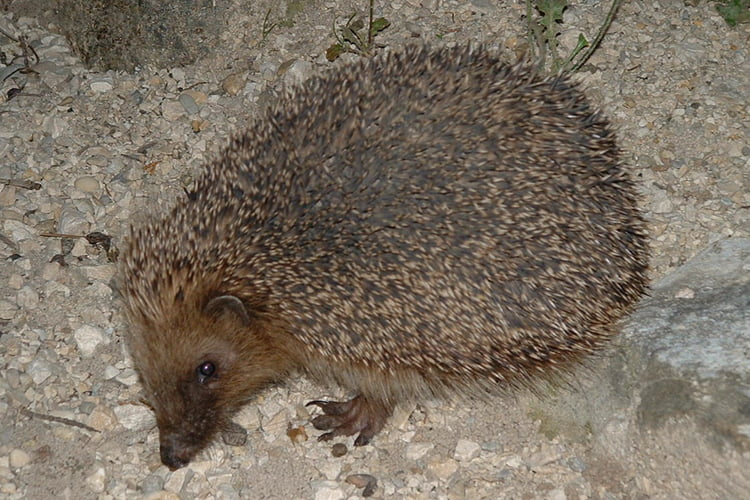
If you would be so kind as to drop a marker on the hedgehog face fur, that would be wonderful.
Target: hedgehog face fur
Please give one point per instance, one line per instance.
(199, 383)
(422, 224)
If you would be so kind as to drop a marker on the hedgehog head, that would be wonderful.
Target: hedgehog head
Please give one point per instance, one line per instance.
(201, 352)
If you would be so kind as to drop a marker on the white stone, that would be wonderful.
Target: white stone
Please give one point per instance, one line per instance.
(514, 461)
(127, 377)
(8, 488)
(102, 418)
(7, 310)
(55, 126)
(134, 417)
(103, 272)
(87, 184)
(18, 231)
(79, 248)
(102, 85)
(178, 74)
(443, 469)
(415, 451)
(110, 372)
(72, 221)
(557, 494)
(39, 371)
(88, 339)
(96, 480)
(19, 458)
(327, 490)
(330, 468)
(51, 271)
(27, 298)
(172, 110)
(298, 72)
(53, 287)
(466, 450)
(177, 479)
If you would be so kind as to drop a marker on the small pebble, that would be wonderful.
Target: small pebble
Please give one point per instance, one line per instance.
(188, 103)
(88, 339)
(72, 221)
(87, 184)
(466, 450)
(19, 458)
(96, 480)
(177, 479)
(367, 482)
(27, 298)
(556, 494)
(152, 484)
(172, 110)
(134, 417)
(327, 490)
(51, 271)
(18, 231)
(234, 435)
(415, 451)
(339, 450)
(7, 310)
(101, 85)
(297, 434)
(39, 371)
(297, 72)
(443, 468)
(576, 464)
(234, 83)
(128, 377)
(102, 418)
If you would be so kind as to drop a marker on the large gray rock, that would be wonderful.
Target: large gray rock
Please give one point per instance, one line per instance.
(691, 343)
(675, 390)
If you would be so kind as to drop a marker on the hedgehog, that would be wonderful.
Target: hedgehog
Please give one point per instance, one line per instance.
(427, 223)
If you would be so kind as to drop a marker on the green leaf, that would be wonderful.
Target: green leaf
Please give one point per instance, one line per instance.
(735, 12)
(552, 9)
(379, 25)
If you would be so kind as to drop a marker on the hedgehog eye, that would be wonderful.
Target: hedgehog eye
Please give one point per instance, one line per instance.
(206, 371)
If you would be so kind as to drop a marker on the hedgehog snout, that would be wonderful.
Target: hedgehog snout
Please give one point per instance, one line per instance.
(175, 453)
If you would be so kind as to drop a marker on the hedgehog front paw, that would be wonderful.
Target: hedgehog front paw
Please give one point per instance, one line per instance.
(359, 415)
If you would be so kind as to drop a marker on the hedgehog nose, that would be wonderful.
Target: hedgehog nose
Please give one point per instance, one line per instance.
(173, 455)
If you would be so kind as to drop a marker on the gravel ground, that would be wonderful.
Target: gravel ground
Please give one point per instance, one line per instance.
(92, 152)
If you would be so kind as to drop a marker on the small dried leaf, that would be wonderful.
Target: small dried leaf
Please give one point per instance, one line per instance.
(99, 238)
(334, 51)
(234, 435)
(297, 434)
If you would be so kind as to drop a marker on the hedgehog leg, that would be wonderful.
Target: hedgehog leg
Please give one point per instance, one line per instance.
(359, 415)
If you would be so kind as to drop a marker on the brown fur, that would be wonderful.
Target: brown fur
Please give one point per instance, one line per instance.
(420, 224)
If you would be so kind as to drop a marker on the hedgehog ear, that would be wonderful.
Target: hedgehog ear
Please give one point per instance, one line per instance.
(227, 304)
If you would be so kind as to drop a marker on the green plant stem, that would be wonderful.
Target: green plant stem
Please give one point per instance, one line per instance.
(369, 25)
(599, 36)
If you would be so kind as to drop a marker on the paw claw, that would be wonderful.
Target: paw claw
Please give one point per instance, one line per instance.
(333, 408)
(362, 440)
(325, 437)
(358, 416)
